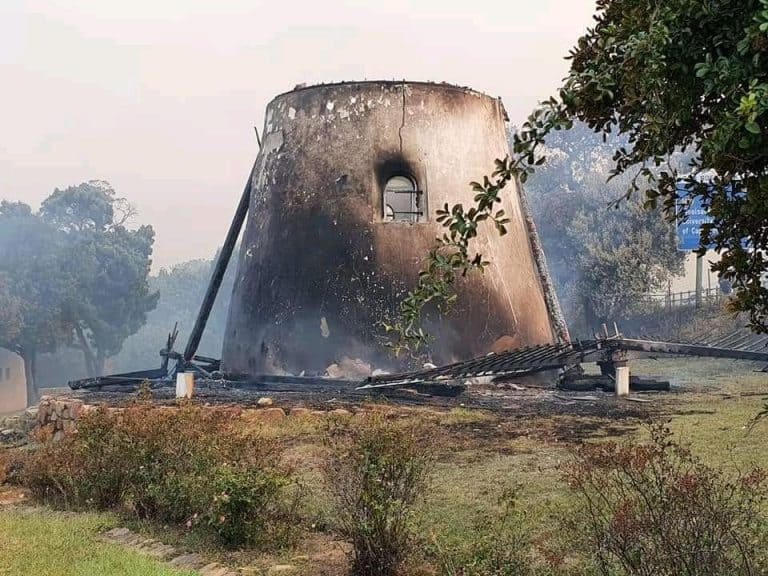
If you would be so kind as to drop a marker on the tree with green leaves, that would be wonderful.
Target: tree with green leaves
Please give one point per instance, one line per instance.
(108, 265)
(33, 286)
(73, 273)
(10, 311)
(181, 289)
(678, 76)
(691, 76)
(604, 261)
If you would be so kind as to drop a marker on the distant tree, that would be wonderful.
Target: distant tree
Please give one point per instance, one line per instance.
(91, 205)
(107, 265)
(181, 290)
(34, 286)
(690, 75)
(603, 260)
(10, 312)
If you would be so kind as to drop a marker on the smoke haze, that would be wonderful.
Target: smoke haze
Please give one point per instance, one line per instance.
(160, 97)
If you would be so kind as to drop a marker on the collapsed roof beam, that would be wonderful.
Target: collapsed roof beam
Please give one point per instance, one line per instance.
(687, 349)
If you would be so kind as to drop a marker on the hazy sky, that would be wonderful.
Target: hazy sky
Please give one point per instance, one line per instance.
(159, 97)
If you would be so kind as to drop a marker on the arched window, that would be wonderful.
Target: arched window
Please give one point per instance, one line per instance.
(402, 200)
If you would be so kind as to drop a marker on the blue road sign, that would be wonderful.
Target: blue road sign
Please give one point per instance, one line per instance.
(689, 229)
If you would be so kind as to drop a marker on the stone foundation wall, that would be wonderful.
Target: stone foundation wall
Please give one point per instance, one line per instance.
(57, 415)
(15, 429)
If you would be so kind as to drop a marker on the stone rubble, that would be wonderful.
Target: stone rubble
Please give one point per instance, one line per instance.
(58, 415)
(10, 435)
(16, 428)
(55, 417)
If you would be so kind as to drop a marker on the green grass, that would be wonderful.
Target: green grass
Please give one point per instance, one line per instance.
(464, 494)
(710, 410)
(478, 454)
(39, 542)
(714, 409)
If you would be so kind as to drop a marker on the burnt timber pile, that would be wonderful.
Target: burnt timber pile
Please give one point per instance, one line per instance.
(562, 363)
(338, 219)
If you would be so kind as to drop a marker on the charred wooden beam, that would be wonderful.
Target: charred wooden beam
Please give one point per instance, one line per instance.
(585, 382)
(128, 379)
(219, 270)
(686, 349)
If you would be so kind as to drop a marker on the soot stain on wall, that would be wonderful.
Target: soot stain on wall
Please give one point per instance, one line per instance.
(319, 268)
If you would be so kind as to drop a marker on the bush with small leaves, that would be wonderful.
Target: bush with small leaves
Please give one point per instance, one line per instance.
(656, 509)
(377, 473)
(91, 469)
(499, 544)
(5, 465)
(190, 466)
(249, 507)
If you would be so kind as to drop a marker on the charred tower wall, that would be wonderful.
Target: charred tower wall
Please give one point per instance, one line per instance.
(325, 258)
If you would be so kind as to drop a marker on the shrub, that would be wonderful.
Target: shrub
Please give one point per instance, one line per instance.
(249, 507)
(189, 466)
(497, 546)
(92, 469)
(657, 509)
(5, 465)
(377, 472)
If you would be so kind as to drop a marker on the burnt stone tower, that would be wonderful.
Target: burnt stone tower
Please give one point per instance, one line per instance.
(342, 215)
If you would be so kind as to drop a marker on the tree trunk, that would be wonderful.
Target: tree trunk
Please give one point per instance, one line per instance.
(88, 357)
(99, 363)
(591, 320)
(30, 373)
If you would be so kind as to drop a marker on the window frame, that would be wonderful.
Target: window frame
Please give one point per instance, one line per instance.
(418, 201)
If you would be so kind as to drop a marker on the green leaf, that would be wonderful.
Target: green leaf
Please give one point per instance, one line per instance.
(752, 127)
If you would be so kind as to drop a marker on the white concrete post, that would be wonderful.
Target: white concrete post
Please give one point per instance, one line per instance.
(185, 384)
(622, 380)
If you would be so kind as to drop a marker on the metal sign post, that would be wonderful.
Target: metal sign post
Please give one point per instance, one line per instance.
(699, 274)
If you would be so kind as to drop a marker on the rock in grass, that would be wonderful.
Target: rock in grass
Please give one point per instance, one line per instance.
(281, 569)
(269, 415)
(187, 561)
(117, 533)
(214, 569)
